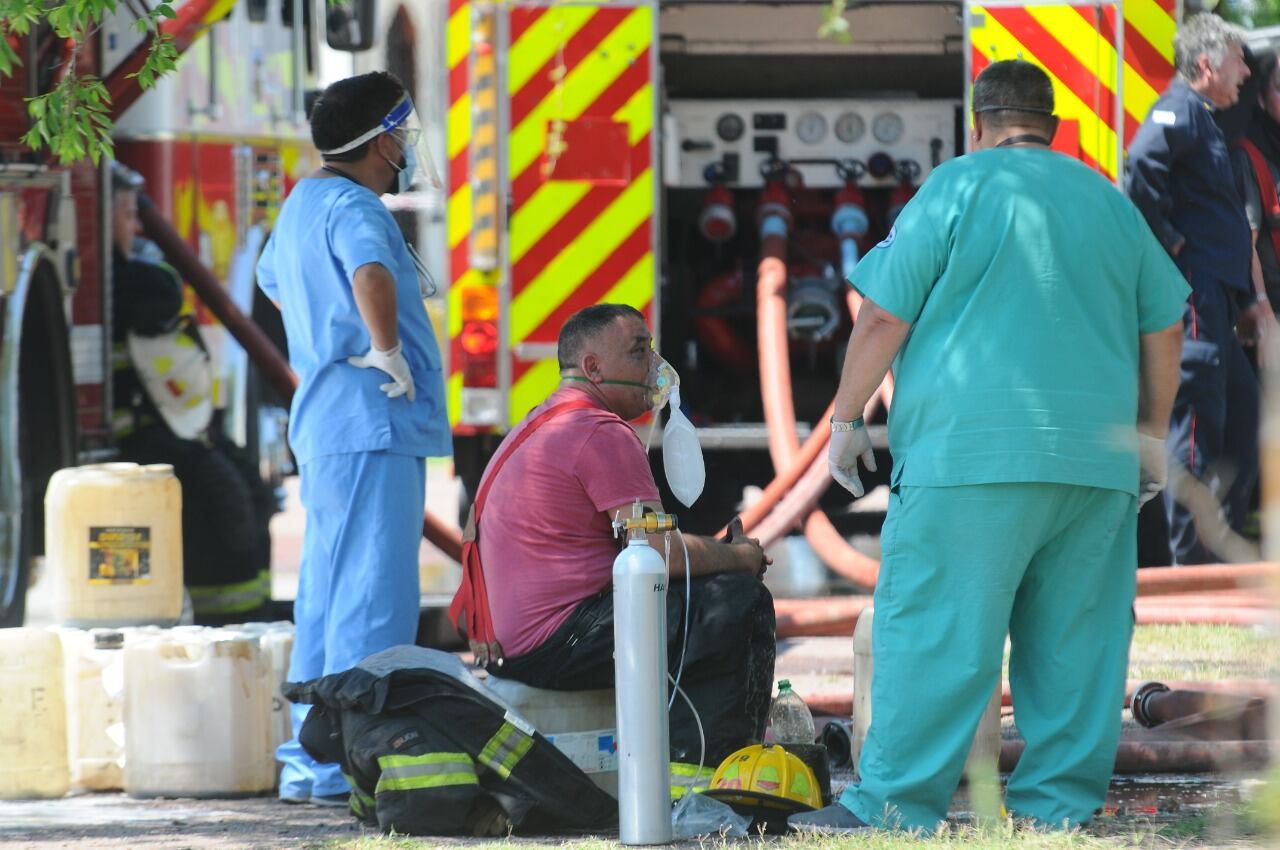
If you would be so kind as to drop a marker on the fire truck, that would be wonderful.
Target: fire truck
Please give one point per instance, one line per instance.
(220, 142)
(718, 164)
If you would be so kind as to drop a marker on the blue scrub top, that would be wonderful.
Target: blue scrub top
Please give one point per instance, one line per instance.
(1027, 279)
(328, 228)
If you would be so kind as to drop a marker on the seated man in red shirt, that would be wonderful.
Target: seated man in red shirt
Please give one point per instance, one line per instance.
(547, 547)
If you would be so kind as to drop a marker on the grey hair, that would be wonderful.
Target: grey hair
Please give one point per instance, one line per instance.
(1204, 34)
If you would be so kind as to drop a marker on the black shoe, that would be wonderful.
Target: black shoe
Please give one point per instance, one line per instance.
(332, 801)
(832, 820)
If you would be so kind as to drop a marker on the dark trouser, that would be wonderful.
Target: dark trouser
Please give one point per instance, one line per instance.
(728, 667)
(1213, 432)
(226, 513)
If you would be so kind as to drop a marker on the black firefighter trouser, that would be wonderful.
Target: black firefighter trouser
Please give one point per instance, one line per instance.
(1213, 432)
(728, 666)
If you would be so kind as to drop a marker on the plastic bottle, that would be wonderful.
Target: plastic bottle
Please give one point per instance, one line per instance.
(789, 718)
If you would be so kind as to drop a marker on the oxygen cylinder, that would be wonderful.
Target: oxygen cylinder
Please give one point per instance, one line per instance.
(640, 670)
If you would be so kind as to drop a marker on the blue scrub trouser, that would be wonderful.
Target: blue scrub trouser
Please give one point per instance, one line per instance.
(1213, 432)
(1055, 567)
(358, 587)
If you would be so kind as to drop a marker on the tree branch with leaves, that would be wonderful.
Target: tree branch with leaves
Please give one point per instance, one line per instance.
(73, 118)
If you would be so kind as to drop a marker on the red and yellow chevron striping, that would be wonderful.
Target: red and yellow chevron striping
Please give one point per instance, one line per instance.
(581, 225)
(1076, 44)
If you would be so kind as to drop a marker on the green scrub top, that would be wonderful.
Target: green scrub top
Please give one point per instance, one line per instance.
(1027, 278)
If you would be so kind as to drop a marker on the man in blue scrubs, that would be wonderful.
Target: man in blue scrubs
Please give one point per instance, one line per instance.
(370, 401)
(1035, 323)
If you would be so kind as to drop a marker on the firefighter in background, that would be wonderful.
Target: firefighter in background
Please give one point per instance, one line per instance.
(370, 406)
(1180, 177)
(1256, 160)
(1034, 382)
(162, 385)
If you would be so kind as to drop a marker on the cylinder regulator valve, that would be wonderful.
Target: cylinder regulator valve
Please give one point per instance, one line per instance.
(718, 223)
(774, 212)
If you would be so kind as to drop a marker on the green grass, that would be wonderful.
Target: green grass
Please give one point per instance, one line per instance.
(1202, 652)
(1197, 831)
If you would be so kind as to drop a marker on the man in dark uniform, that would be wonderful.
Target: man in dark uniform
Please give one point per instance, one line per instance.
(1179, 175)
(226, 507)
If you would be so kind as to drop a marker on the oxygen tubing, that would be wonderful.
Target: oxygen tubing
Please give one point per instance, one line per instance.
(261, 350)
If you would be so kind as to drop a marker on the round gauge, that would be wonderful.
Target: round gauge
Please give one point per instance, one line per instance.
(730, 127)
(850, 127)
(887, 127)
(811, 127)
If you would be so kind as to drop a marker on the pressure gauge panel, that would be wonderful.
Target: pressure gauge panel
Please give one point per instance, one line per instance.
(730, 127)
(850, 127)
(887, 128)
(811, 127)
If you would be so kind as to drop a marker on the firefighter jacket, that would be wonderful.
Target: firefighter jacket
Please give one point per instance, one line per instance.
(429, 751)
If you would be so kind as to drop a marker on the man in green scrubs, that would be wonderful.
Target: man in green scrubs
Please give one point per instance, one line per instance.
(1034, 327)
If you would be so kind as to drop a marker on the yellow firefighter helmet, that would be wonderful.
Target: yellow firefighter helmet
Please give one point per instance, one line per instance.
(761, 779)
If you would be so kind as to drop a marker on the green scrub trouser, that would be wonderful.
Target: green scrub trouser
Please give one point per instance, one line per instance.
(1055, 567)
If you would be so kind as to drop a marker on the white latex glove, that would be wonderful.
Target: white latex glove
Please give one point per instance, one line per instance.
(842, 458)
(1153, 467)
(393, 363)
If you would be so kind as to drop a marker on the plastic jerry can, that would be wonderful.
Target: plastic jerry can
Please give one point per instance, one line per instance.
(93, 664)
(33, 734)
(986, 741)
(197, 715)
(276, 640)
(113, 538)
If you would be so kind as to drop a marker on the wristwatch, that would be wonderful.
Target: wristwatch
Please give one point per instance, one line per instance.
(837, 425)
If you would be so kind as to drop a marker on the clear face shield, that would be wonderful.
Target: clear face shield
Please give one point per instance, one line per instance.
(402, 122)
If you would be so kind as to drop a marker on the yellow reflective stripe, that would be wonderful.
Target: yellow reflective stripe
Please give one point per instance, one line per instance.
(539, 43)
(559, 278)
(1153, 23)
(231, 598)
(637, 113)
(459, 123)
(554, 199)
(458, 36)
(459, 215)
(505, 749)
(533, 388)
(1096, 53)
(584, 83)
(551, 202)
(1097, 138)
(218, 11)
(635, 287)
(686, 777)
(429, 770)
(361, 804)
(454, 392)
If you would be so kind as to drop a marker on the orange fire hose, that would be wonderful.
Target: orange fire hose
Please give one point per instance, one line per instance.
(837, 615)
(784, 445)
(840, 704)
